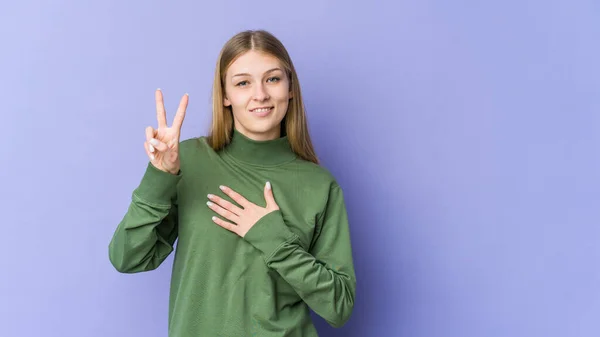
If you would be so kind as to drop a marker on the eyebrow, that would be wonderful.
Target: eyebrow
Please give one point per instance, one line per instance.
(266, 72)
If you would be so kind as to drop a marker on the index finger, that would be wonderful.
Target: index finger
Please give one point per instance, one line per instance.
(161, 115)
(180, 115)
(235, 196)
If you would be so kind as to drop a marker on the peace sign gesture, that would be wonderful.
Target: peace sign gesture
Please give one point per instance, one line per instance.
(162, 144)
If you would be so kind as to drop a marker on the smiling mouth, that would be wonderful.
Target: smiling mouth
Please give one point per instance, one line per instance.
(259, 110)
(262, 112)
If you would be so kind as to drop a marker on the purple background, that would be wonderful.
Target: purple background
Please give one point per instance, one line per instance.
(465, 135)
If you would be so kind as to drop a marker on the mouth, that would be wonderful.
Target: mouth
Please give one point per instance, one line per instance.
(262, 111)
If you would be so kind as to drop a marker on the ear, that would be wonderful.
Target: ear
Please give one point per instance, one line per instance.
(226, 102)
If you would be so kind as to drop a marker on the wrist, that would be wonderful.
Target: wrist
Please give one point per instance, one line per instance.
(269, 233)
(158, 185)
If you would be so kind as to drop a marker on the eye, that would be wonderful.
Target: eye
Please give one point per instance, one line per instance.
(241, 84)
(274, 79)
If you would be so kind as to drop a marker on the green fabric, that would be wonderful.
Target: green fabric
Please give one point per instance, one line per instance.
(263, 284)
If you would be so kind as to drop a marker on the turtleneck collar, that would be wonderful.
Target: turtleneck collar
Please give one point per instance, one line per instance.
(264, 153)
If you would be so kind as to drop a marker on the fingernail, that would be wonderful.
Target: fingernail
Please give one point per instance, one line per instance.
(154, 142)
(158, 89)
(209, 203)
(268, 185)
(222, 188)
(187, 94)
(210, 196)
(151, 148)
(152, 157)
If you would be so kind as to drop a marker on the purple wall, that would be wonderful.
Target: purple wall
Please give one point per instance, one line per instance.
(465, 134)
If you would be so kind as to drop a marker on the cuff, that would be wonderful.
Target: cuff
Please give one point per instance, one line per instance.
(269, 233)
(158, 186)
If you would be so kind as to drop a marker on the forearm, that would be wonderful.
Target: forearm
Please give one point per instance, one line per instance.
(148, 230)
(144, 237)
(328, 289)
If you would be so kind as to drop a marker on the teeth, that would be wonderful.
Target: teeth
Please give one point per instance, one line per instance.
(262, 110)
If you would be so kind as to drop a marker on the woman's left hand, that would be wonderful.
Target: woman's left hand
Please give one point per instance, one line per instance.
(242, 219)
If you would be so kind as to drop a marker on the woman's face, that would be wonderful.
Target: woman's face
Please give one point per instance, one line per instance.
(258, 92)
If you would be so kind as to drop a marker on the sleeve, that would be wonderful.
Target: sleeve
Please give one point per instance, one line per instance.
(324, 276)
(146, 234)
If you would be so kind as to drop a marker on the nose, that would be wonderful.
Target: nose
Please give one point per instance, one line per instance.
(260, 92)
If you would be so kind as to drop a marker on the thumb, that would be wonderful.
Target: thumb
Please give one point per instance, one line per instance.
(269, 196)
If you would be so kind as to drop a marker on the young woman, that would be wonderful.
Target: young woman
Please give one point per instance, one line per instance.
(262, 230)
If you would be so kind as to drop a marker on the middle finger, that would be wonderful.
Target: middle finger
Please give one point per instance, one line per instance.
(223, 212)
(225, 204)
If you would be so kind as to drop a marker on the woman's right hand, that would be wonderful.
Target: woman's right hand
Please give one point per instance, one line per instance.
(162, 144)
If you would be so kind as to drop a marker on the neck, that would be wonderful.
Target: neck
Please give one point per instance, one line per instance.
(260, 152)
(274, 133)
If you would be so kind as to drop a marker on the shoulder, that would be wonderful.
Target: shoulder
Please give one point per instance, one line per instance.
(195, 150)
(194, 144)
(315, 174)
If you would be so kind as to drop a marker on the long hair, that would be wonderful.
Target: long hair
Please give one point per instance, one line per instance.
(294, 124)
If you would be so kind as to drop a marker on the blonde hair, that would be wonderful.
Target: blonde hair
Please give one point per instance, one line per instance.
(294, 124)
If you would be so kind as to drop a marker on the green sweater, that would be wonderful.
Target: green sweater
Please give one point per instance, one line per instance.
(292, 259)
